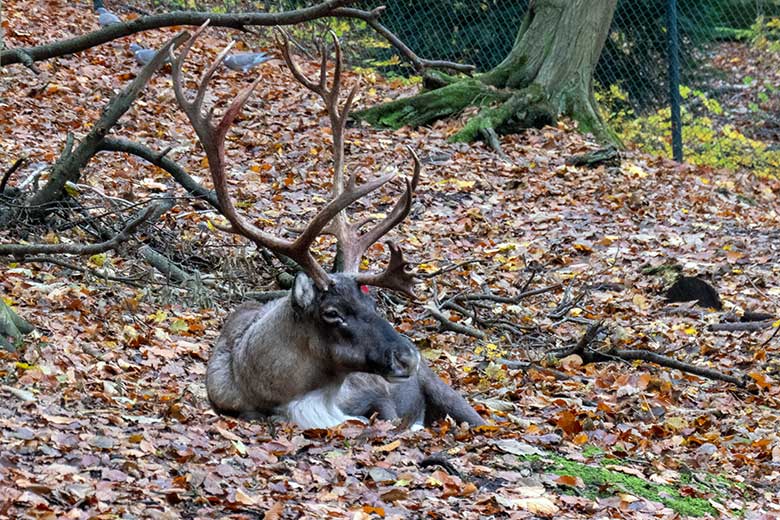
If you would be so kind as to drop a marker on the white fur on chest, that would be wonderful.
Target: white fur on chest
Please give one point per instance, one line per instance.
(316, 409)
(319, 409)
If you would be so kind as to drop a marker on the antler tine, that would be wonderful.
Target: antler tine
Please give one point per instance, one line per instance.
(335, 206)
(394, 277)
(354, 247)
(206, 78)
(337, 63)
(190, 107)
(283, 42)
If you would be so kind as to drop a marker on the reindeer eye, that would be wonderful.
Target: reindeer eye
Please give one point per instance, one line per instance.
(332, 316)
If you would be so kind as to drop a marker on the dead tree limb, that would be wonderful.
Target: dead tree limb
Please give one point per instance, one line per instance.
(239, 21)
(419, 64)
(448, 324)
(68, 167)
(749, 326)
(165, 265)
(10, 171)
(585, 350)
(160, 160)
(129, 280)
(21, 250)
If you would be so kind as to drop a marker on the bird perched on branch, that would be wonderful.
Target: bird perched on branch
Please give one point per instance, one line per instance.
(143, 55)
(243, 61)
(106, 17)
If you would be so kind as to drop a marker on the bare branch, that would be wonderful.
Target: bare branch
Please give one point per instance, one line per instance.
(70, 163)
(448, 324)
(158, 159)
(20, 250)
(240, 21)
(420, 64)
(10, 171)
(234, 21)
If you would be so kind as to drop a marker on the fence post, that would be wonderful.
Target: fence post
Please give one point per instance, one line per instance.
(674, 78)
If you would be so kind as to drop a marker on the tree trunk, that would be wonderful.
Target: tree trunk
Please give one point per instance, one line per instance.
(547, 74)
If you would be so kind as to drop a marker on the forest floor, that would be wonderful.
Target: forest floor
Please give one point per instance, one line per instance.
(104, 412)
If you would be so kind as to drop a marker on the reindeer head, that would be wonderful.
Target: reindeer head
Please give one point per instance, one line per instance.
(351, 334)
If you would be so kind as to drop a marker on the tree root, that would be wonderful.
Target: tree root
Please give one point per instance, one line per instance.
(526, 108)
(430, 106)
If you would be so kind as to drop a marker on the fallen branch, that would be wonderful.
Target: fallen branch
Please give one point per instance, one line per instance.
(160, 160)
(665, 361)
(590, 355)
(448, 324)
(528, 365)
(505, 299)
(165, 265)
(239, 21)
(266, 296)
(10, 171)
(749, 326)
(21, 250)
(132, 281)
(68, 167)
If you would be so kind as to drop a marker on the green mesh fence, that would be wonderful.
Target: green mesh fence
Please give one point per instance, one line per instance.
(481, 32)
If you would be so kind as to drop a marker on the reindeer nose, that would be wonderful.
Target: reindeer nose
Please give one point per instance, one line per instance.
(403, 362)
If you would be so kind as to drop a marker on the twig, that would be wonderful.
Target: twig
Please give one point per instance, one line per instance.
(447, 269)
(20, 250)
(10, 171)
(419, 64)
(770, 338)
(450, 325)
(132, 281)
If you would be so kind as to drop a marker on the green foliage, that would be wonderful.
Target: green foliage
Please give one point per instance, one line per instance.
(765, 34)
(706, 141)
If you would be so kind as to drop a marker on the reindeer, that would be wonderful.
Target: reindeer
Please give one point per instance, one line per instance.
(322, 354)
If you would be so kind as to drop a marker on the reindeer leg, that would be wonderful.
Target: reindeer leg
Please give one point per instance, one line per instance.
(442, 400)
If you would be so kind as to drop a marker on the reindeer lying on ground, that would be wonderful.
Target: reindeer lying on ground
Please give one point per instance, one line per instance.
(322, 354)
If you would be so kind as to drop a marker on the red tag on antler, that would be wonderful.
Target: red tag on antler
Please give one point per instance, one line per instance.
(364, 289)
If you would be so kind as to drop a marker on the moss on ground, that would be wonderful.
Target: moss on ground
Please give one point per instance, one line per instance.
(601, 481)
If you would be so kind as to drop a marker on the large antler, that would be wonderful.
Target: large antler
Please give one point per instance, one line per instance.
(212, 137)
(352, 245)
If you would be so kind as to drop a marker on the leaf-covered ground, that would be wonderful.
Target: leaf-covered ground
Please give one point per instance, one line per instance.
(103, 411)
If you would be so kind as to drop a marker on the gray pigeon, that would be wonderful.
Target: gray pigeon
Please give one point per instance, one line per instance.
(243, 61)
(106, 17)
(143, 55)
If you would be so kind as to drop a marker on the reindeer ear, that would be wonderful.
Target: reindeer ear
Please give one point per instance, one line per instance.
(304, 292)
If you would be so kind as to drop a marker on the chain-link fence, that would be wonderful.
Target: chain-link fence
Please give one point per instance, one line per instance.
(631, 76)
(481, 32)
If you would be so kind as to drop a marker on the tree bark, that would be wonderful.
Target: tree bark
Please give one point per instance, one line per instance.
(547, 74)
